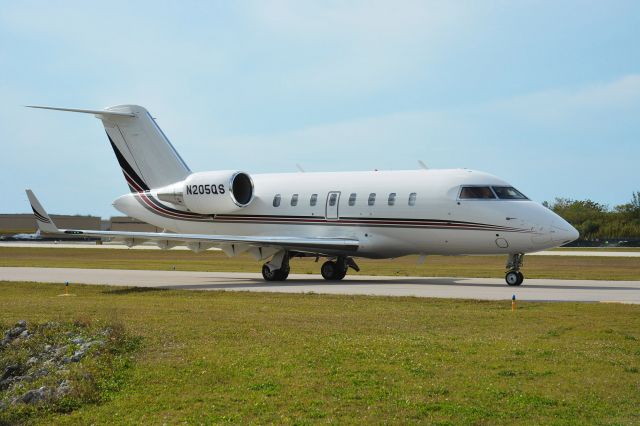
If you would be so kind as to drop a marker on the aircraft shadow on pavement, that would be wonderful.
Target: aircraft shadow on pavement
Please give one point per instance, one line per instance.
(134, 290)
(256, 283)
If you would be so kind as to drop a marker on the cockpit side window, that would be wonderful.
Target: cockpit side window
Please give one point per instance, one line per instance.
(476, 193)
(508, 193)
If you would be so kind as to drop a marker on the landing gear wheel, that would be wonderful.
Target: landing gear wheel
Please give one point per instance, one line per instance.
(514, 278)
(514, 262)
(332, 272)
(285, 274)
(275, 275)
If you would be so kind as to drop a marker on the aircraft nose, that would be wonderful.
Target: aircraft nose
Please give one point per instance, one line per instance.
(563, 232)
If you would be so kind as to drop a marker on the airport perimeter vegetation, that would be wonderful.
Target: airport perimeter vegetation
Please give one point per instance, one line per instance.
(212, 357)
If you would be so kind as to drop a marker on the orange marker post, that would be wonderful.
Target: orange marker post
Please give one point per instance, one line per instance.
(66, 290)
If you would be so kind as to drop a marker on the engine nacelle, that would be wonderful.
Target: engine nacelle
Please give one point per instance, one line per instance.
(211, 192)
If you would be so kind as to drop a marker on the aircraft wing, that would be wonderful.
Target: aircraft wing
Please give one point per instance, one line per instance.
(231, 244)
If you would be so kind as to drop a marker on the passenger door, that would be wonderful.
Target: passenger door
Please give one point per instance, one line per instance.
(331, 208)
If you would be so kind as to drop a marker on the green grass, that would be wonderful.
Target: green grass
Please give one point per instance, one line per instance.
(217, 357)
(599, 249)
(560, 267)
(98, 375)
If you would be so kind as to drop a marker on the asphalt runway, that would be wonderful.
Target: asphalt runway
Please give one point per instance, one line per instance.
(459, 288)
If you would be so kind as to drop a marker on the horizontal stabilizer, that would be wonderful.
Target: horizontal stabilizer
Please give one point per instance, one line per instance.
(86, 111)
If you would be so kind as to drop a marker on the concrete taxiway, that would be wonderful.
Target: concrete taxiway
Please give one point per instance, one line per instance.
(462, 288)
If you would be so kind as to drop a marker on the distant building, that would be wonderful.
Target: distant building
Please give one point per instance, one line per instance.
(11, 224)
(25, 223)
(129, 224)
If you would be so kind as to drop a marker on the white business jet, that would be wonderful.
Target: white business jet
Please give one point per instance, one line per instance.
(339, 215)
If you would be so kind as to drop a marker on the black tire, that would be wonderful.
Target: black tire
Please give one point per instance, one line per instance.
(328, 270)
(520, 278)
(268, 274)
(340, 275)
(331, 271)
(513, 278)
(275, 275)
(284, 274)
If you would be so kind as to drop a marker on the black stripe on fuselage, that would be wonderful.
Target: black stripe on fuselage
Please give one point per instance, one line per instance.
(365, 221)
(156, 207)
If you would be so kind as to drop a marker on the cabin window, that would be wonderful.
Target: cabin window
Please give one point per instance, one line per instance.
(294, 200)
(276, 200)
(332, 199)
(392, 199)
(412, 199)
(352, 199)
(476, 193)
(314, 200)
(508, 193)
(372, 199)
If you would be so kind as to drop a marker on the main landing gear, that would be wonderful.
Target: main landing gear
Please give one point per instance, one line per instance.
(335, 270)
(277, 269)
(273, 272)
(514, 277)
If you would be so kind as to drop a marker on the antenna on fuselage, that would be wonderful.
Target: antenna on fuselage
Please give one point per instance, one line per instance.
(422, 165)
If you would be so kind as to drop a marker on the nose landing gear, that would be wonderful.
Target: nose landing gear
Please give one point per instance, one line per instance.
(514, 277)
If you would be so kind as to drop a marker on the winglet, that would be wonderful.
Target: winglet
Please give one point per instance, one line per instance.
(44, 222)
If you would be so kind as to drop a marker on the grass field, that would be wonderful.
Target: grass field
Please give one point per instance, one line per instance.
(560, 267)
(613, 249)
(209, 357)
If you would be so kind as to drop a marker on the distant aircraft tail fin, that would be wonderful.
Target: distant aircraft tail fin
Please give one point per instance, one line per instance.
(146, 157)
(44, 222)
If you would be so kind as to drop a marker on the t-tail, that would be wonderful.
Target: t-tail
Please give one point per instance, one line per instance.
(146, 157)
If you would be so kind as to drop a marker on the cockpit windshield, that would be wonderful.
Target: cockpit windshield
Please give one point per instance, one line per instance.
(508, 193)
(476, 193)
(491, 193)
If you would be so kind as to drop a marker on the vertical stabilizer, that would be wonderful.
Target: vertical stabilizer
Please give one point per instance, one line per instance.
(147, 158)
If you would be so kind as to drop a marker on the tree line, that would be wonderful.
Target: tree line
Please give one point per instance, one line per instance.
(597, 222)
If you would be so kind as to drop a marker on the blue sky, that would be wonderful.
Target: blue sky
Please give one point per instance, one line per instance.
(543, 94)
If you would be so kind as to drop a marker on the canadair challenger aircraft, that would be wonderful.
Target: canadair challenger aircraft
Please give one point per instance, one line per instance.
(338, 216)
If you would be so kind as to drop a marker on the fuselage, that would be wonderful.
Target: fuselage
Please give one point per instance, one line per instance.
(391, 213)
